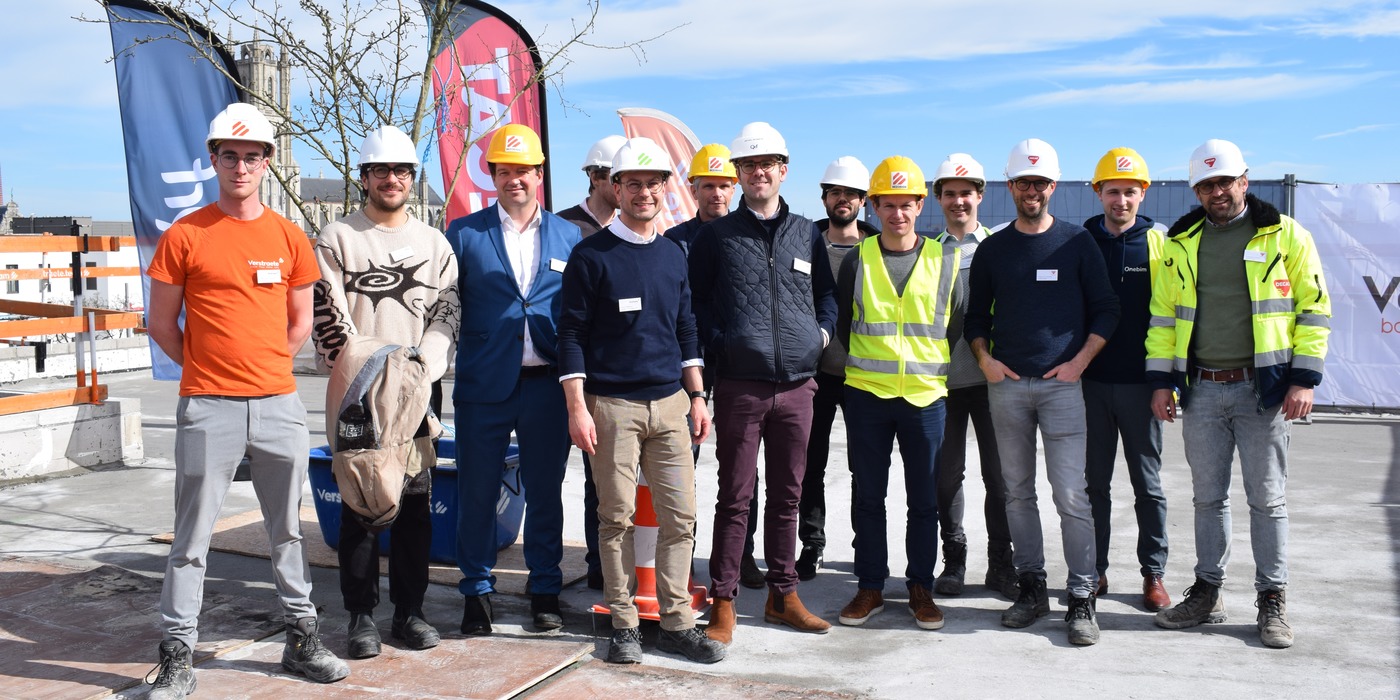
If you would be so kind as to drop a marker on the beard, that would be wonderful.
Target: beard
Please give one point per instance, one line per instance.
(842, 220)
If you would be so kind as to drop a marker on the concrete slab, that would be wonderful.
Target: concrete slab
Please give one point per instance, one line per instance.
(1344, 600)
(598, 680)
(67, 633)
(55, 440)
(244, 534)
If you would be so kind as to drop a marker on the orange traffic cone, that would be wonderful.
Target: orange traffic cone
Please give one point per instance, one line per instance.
(644, 534)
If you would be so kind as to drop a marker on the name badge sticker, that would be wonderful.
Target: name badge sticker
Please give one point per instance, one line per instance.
(269, 276)
(1255, 256)
(1047, 275)
(400, 254)
(633, 304)
(557, 265)
(802, 266)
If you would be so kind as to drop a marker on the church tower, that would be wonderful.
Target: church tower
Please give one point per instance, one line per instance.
(270, 76)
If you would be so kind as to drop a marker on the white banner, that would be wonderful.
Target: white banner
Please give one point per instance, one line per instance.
(1357, 230)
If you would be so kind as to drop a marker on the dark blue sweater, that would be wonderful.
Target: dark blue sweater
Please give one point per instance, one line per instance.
(1124, 359)
(1039, 322)
(636, 353)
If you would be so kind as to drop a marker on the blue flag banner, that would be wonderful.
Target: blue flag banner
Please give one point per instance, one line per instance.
(168, 90)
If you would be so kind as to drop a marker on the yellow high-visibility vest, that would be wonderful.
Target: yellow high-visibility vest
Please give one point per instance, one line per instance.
(899, 344)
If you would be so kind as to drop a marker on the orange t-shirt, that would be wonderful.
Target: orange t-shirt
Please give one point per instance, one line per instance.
(237, 276)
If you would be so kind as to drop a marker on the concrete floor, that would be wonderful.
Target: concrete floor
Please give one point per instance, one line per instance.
(1343, 596)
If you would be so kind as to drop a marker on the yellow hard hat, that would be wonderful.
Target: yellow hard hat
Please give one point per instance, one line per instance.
(712, 160)
(898, 175)
(1122, 164)
(515, 144)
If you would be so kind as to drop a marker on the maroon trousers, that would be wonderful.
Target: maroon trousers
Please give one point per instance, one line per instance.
(780, 416)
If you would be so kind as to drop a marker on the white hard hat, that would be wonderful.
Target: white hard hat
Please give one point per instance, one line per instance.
(758, 139)
(242, 122)
(388, 144)
(600, 154)
(1033, 158)
(847, 171)
(1216, 158)
(640, 154)
(959, 166)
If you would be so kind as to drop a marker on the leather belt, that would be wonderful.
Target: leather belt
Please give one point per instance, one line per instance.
(1243, 374)
(536, 371)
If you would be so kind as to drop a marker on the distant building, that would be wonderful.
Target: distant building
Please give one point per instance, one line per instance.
(325, 197)
(120, 293)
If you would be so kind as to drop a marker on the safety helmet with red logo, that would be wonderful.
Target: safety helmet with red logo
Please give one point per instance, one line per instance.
(241, 121)
(1121, 164)
(1033, 158)
(515, 144)
(898, 175)
(712, 160)
(960, 166)
(1216, 158)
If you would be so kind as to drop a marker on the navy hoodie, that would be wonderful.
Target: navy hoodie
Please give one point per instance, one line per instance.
(1123, 360)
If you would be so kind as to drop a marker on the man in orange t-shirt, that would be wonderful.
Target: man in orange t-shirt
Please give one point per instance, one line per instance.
(244, 276)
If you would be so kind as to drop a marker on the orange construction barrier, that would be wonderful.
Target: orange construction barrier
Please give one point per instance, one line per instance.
(644, 535)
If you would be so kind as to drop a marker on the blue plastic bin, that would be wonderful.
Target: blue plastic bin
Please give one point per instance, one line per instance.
(510, 508)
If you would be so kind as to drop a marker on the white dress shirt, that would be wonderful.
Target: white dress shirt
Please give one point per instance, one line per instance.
(523, 250)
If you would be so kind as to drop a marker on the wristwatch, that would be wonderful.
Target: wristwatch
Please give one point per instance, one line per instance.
(696, 394)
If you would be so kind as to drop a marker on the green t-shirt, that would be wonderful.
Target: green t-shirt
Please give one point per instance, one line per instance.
(1223, 337)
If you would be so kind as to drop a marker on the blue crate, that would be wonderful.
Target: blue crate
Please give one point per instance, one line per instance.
(510, 508)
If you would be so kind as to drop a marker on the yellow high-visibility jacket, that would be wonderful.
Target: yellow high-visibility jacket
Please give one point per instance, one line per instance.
(1291, 309)
(899, 344)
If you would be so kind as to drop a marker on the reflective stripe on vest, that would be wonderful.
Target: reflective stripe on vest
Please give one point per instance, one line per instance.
(898, 344)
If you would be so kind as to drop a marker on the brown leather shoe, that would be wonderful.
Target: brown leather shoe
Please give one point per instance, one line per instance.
(866, 603)
(786, 609)
(926, 612)
(721, 627)
(1154, 594)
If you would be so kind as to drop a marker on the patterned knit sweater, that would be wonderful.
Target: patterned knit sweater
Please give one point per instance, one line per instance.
(396, 284)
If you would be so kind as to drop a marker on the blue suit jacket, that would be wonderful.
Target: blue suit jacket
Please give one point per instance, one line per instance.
(494, 312)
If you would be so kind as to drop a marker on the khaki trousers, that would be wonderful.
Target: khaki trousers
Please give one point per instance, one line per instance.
(656, 436)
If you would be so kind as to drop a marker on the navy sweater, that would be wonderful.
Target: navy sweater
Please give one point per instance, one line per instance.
(1049, 292)
(1124, 359)
(626, 321)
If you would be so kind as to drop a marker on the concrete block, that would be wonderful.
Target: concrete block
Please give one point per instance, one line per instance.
(68, 437)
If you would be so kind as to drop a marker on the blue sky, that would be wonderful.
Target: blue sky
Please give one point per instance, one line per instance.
(1302, 87)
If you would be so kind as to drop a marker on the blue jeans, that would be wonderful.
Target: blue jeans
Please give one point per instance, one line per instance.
(1221, 417)
(1019, 407)
(872, 424)
(536, 412)
(1114, 410)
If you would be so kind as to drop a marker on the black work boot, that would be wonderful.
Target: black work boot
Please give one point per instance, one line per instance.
(950, 582)
(414, 631)
(476, 615)
(362, 636)
(1032, 602)
(305, 654)
(1001, 573)
(544, 610)
(175, 674)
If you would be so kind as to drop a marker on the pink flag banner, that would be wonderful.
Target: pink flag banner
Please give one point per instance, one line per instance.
(680, 143)
(484, 79)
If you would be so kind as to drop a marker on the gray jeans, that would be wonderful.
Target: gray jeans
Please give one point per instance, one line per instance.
(1223, 417)
(1019, 407)
(212, 434)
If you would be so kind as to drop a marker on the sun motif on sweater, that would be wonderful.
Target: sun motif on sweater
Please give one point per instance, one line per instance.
(380, 282)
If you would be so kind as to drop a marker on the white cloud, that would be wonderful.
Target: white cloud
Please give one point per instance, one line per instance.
(1354, 130)
(1386, 23)
(745, 37)
(1226, 90)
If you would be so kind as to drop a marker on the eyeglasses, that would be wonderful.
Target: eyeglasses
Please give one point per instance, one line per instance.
(840, 193)
(1026, 185)
(231, 160)
(599, 172)
(636, 186)
(381, 171)
(1208, 187)
(747, 167)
